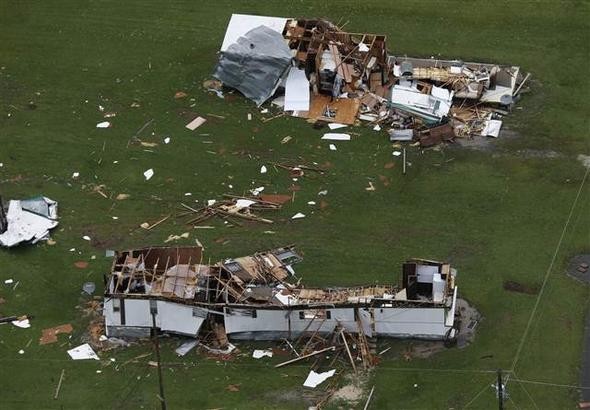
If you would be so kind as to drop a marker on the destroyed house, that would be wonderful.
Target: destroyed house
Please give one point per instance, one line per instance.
(334, 76)
(252, 298)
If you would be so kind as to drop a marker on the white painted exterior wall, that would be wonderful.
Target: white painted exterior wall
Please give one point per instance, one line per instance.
(171, 317)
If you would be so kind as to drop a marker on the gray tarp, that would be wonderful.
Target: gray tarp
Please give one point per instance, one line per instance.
(255, 64)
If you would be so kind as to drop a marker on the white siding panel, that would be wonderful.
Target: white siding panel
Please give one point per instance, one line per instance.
(174, 317)
(410, 322)
(137, 313)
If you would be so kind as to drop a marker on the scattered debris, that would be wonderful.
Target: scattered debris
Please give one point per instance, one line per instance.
(104, 124)
(333, 76)
(50, 335)
(298, 215)
(27, 220)
(336, 137)
(315, 379)
(186, 347)
(196, 123)
(83, 352)
(148, 174)
(257, 354)
(229, 210)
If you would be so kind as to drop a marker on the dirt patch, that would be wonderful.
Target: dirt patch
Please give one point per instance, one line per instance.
(352, 391)
(579, 267)
(512, 286)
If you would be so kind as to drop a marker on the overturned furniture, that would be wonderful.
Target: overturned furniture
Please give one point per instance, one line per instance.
(27, 220)
(252, 298)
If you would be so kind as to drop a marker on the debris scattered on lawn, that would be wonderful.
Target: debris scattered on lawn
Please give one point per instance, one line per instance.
(397, 153)
(50, 335)
(27, 220)
(233, 387)
(104, 124)
(339, 77)
(167, 140)
(298, 215)
(83, 352)
(148, 174)
(88, 288)
(332, 147)
(23, 323)
(86, 238)
(121, 197)
(257, 354)
(229, 210)
(186, 347)
(180, 94)
(335, 126)
(75, 175)
(196, 123)
(336, 137)
(263, 169)
(315, 379)
(286, 139)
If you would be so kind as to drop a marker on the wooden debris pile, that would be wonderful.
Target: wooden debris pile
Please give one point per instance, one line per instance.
(231, 209)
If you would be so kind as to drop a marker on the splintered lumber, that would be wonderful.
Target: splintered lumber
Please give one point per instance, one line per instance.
(343, 336)
(306, 356)
(369, 398)
(58, 388)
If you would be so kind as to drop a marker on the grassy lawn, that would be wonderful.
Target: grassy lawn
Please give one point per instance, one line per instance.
(495, 214)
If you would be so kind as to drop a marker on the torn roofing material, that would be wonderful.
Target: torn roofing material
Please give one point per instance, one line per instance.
(255, 63)
(28, 220)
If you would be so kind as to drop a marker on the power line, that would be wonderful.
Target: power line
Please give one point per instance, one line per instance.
(549, 269)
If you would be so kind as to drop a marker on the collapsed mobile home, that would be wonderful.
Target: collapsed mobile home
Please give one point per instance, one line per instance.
(334, 76)
(253, 298)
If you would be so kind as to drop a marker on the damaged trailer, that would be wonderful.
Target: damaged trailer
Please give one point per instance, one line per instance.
(330, 75)
(252, 299)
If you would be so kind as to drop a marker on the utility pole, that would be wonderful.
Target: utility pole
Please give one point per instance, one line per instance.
(500, 391)
(154, 311)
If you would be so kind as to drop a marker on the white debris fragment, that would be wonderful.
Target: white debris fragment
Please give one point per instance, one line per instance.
(264, 111)
(82, 352)
(336, 137)
(363, 48)
(377, 128)
(491, 128)
(332, 147)
(323, 193)
(263, 169)
(102, 338)
(196, 123)
(257, 354)
(211, 202)
(23, 324)
(311, 203)
(9, 281)
(75, 175)
(335, 125)
(86, 238)
(315, 379)
(167, 140)
(249, 117)
(298, 215)
(257, 191)
(187, 194)
(21, 351)
(397, 153)
(104, 124)
(185, 347)
(148, 174)
(244, 203)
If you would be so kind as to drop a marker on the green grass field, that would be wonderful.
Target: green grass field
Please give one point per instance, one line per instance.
(496, 214)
